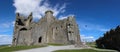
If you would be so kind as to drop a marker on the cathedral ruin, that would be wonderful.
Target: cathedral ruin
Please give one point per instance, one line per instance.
(47, 30)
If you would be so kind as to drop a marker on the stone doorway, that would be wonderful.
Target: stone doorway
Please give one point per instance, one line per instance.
(40, 40)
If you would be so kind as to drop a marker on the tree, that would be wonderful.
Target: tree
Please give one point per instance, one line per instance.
(110, 40)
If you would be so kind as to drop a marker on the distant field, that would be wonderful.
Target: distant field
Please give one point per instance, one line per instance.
(81, 50)
(10, 49)
(91, 44)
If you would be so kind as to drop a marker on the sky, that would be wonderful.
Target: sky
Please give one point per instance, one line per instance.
(94, 17)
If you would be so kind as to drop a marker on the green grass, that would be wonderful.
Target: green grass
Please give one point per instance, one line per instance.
(81, 50)
(16, 48)
(6, 48)
(53, 44)
(2, 47)
(91, 44)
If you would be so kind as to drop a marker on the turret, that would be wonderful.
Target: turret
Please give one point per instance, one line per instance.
(49, 13)
(49, 16)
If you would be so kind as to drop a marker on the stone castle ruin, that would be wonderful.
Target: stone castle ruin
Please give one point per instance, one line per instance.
(47, 30)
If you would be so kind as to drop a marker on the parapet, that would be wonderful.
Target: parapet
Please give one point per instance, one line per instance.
(49, 11)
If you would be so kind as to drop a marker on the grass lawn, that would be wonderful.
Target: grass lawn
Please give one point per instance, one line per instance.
(81, 50)
(16, 48)
(6, 48)
(2, 47)
(53, 44)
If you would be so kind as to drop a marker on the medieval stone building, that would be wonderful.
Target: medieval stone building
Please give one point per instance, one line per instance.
(47, 30)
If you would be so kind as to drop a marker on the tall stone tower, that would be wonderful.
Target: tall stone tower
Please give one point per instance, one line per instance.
(47, 30)
(49, 16)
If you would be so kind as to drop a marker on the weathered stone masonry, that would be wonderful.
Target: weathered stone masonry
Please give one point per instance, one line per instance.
(47, 30)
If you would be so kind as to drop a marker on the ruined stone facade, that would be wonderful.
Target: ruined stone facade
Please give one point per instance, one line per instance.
(47, 30)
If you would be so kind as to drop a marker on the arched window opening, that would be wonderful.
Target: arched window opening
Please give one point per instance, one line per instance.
(69, 24)
(23, 29)
(61, 26)
(69, 32)
(56, 28)
(14, 39)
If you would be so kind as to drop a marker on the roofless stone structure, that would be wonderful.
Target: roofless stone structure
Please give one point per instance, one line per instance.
(47, 30)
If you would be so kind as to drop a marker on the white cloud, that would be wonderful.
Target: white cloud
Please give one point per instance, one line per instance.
(5, 39)
(13, 23)
(103, 29)
(65, 17)
(6, 25)
(38, 7)
(89, 26)
(85, 38)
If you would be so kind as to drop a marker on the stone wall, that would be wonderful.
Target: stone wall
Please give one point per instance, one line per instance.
(47, 30)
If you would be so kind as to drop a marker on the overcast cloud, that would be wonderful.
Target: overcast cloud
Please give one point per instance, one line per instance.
(38, 7)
